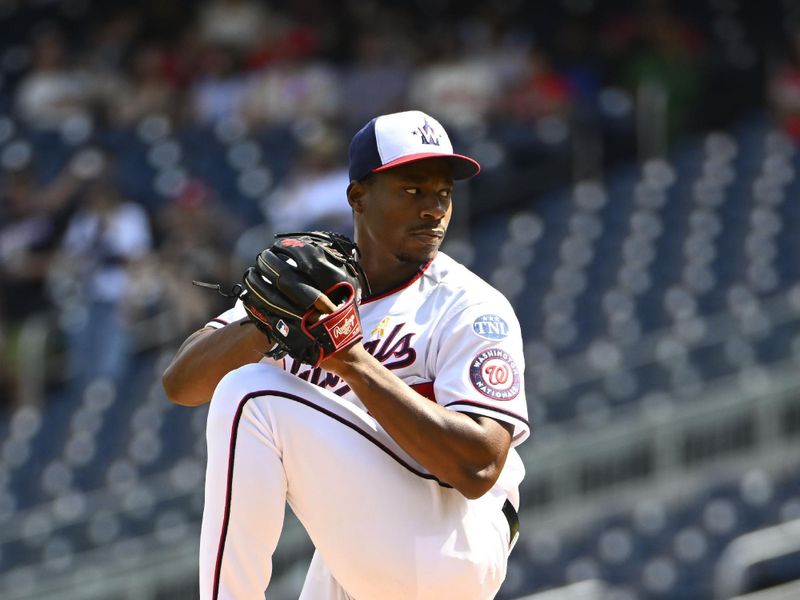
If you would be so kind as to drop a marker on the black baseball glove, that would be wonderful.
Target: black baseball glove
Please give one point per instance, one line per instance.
(288, 288)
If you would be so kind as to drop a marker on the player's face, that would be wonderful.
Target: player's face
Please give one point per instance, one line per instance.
(404, 212)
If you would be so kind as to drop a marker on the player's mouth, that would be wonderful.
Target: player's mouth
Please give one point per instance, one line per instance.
(428, 235)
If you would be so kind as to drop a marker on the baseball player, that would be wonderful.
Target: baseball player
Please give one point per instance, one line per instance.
(397, 451)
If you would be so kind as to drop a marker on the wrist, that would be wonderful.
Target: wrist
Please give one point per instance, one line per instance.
(346, 362)
(255, 335)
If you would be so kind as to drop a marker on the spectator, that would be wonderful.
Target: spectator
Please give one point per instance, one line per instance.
(461, 90)
(221, 87)
(34, 218)
(531, 118)
(497, 41)
(291, 90)
(104, 238)
(181, 59)
(197, 236)
(314, 194)
(52, 91)
(286, 40)
(237, 24)
(784, 89)
(148, 91)
(112, 40)
(660, 52)
(540, 92)
(576, 56)
(376, 81)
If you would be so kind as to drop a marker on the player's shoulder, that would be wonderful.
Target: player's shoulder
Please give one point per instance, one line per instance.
(464, 286)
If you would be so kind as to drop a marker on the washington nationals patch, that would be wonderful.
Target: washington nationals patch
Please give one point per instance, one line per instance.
(494, 374)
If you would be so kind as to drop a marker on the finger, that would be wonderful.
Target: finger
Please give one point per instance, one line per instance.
(287, 279)
(324, 304)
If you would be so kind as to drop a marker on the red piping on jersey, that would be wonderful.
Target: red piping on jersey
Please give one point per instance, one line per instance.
(402, 286)
(228, 492)
(232, 456)
(424, 389)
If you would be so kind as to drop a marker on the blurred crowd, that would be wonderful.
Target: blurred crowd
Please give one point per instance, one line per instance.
(270, 64)
(514, 80)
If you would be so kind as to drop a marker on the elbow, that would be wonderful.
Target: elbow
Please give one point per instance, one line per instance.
(185, 378)
(474, 484)
(169, 384)
(173, 389)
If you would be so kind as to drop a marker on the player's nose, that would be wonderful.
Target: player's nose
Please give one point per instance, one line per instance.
(434, 207)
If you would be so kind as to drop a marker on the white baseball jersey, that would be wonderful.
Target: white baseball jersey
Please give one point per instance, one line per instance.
(451, 337)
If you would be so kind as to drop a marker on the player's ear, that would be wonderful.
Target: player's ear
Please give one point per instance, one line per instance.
(355, 196)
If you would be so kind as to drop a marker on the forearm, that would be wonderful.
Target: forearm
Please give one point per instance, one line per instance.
(206, 357)
(467, 453)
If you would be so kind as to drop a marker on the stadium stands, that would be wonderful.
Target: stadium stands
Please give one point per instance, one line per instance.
(660, 303)
(611, 333)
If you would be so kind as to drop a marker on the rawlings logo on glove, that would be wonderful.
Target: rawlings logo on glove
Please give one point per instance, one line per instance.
(345, 329)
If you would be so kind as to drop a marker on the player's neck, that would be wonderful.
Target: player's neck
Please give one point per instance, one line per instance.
(385, 276)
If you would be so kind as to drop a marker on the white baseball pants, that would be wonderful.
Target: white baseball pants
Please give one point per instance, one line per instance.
(384, 529)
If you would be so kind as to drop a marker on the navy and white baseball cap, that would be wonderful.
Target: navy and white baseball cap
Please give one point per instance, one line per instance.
(396, 139)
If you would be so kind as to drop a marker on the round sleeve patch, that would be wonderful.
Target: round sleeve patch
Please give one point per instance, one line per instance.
(494, 374)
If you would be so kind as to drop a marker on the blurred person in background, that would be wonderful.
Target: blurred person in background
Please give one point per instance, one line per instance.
(110, 45)
(33, 219)
(376, 80)
(114, 36)
(541, 91)
(783, 89)
(658, 51)
(311, 197)
(291, 88)
(180, 60)
(147, 90)
(196, 235)
(496, 39)
(532, 116)
(576, 56)
(459, 88)
(53, 90)
(241, 25)
(220, 86)
(104, 239)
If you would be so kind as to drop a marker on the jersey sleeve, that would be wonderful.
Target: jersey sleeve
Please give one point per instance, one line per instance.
(479, 366)
(234, 313)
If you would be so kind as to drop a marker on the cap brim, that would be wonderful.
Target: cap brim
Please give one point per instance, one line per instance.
(463, 167)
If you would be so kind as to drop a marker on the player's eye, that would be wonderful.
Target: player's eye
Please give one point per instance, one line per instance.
(412, 190)
(445, 193)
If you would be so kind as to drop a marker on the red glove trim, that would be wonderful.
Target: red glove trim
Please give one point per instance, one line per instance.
(343, 326)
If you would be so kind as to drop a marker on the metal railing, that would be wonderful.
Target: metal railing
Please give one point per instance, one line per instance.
(729, 429)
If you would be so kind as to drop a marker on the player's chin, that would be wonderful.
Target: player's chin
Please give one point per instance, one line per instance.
(419, 255)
